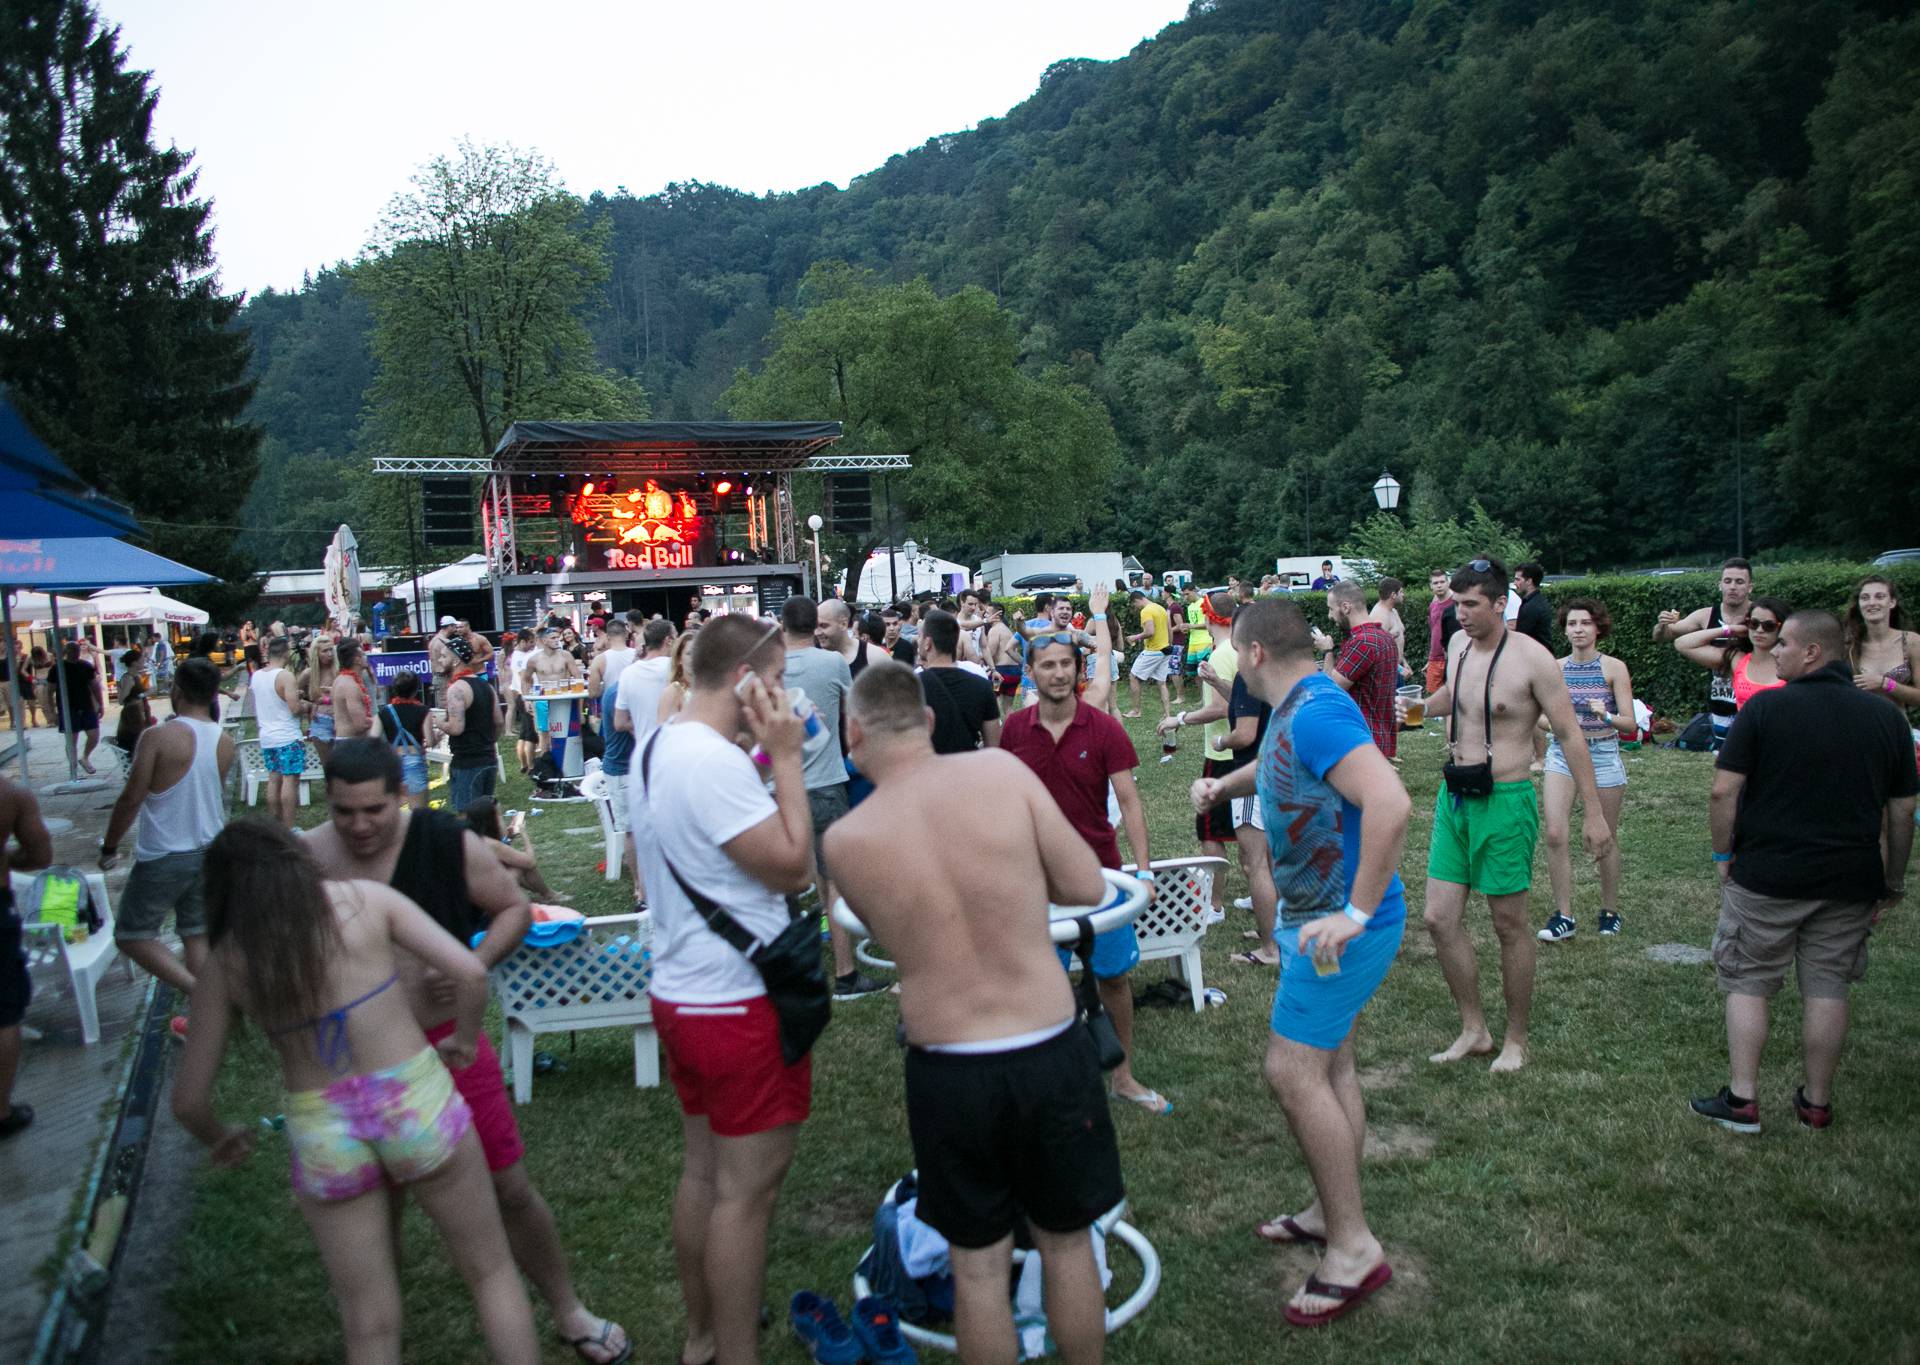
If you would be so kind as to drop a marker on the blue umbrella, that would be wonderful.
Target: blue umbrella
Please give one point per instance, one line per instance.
(72, 566)
(41, 496)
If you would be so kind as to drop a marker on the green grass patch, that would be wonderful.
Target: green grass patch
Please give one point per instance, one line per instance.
(1576, 1211)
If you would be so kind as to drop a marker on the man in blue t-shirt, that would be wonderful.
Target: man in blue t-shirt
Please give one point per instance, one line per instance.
(1336, 816)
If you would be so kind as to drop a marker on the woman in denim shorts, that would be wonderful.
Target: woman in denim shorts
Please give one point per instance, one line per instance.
(1603, 701)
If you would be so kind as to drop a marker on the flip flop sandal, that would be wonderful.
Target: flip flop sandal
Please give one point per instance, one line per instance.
(1252, 960)
(1251, 935)
(1152, 1101)
(1349, 1296)
(1296, 1235)
(601, 1340)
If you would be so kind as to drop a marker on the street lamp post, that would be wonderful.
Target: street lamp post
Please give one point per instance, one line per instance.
(1386, 491)
(912, 551)
(814, 523)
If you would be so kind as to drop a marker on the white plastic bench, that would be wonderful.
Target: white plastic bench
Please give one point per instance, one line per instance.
(84, 963)
(599, 980)
(1173, 925)
(252, 770)
(597, 787)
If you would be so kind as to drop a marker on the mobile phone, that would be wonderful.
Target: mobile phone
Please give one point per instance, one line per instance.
(740, 688)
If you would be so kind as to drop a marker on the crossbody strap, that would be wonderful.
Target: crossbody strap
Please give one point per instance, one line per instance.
(715, 916)
(401, 732)
(1453, 708)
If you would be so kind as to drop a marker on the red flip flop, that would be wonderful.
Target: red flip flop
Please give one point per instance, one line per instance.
(1350, 1297)
(1296, 1235)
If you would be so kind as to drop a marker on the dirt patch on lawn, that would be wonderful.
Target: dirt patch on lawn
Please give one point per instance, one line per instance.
(1384, 1076)
(1397, 1142)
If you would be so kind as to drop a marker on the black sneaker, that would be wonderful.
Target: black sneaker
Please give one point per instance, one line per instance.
(1743, 1117)
(1812, 1115)
(1559, 927)
(1609, 922)
(854, 985)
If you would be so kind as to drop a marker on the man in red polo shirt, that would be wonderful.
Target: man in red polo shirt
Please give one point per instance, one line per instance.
(1368, 664)
(1078, 750)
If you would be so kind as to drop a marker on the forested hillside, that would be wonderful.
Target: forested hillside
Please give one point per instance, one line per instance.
(1597, 266)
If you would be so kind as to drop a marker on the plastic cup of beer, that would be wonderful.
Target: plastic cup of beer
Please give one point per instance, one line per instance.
(1413, 696)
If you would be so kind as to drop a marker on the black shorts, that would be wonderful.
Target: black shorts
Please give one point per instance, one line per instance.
(1001, 1134)
(16, 987)
(1217, 824)
(523, 726)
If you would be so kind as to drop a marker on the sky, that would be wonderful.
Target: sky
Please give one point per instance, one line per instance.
(305, 120)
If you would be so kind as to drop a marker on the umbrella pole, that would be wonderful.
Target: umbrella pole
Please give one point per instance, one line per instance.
(13, 680)
(60, 680)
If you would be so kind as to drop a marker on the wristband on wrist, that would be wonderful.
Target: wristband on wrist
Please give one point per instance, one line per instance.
(1888, 683)
(1357, 915)
(1098, 616)
(1180, 721)
(1723, 857)
(1145, 874)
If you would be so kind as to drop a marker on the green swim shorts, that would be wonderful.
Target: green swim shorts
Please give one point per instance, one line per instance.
(1486, 842)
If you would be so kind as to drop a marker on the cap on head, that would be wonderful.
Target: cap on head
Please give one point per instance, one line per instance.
(449, 620)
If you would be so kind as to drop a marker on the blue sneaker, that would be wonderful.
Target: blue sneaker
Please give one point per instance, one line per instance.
(818, 1325)
(877, 1326)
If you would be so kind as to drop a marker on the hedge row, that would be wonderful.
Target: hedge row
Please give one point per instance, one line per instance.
(1674, 687)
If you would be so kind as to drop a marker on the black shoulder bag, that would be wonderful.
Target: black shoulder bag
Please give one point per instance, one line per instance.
(1473, 779)
(790, 966)
(1099, 1024)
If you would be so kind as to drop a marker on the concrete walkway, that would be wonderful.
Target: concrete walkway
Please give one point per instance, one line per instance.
(46, 1171)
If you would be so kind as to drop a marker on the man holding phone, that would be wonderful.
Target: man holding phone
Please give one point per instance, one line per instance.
(702, 813)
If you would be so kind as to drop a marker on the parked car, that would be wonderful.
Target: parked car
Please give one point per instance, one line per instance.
(1897, 557)
(1044, 582)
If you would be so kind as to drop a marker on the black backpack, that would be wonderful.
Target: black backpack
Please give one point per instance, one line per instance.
(1697, 736)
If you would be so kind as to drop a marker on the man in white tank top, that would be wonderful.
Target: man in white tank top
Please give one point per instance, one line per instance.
(277, 707)
(177, 791)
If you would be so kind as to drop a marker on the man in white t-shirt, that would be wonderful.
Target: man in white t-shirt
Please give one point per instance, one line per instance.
(703, 813)
(526, 740)
(632, 715)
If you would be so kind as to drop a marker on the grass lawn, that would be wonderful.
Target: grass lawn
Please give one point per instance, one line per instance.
(1574, 1211)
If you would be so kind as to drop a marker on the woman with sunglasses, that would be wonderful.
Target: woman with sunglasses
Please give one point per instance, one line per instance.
(1743, 652)
(1602, 692)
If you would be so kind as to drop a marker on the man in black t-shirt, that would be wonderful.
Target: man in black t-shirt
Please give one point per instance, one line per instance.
(966, 715)
(1812, 776)
(1247, 715)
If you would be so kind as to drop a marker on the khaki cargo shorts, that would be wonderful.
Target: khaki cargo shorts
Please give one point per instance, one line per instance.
(1759, 936)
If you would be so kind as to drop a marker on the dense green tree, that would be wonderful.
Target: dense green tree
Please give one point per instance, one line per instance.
(114, 334)
(1000, 457)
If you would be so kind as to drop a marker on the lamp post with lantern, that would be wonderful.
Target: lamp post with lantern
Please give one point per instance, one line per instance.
(814, 524)
(1386, 491)
(912, 551)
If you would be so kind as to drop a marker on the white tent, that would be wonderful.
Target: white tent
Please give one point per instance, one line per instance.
(31, 610)
(462, 573)
(133, 606)
(922, 573)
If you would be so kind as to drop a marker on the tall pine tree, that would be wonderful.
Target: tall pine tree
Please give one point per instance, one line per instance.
(114, 334)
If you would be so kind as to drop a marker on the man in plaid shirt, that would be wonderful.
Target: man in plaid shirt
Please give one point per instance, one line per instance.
(1367, 664)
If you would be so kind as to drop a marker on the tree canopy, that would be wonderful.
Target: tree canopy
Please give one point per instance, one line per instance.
(1637, 278)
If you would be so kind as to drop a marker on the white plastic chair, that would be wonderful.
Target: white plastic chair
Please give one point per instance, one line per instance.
(599, 980)
(597, 787)
(251, 767)
(1171, 928)
(84, 963)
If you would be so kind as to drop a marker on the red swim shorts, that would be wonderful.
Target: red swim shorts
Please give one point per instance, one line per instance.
(484, 1089)
(725, 1063)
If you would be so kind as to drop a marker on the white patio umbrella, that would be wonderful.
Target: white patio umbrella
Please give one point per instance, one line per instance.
(342, 586)
(131, 606)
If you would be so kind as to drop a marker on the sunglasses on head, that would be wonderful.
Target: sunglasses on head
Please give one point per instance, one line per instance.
(1480, 565)
(1059, 637)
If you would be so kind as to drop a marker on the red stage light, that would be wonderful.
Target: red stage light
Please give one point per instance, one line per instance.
(724, 487)
(587, 490)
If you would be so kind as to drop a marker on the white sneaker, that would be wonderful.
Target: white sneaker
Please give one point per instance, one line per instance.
(1243, 903)
(1214, 916)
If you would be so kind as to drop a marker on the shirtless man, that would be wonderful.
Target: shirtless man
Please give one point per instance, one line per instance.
(999, 647)
(552, 666)
(1004, 1096)
(1485, 843)
(433, 859)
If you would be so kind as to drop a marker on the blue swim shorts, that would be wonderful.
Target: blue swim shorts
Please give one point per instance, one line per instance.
(1319, 1010)
(1115, 953)
(288, 760)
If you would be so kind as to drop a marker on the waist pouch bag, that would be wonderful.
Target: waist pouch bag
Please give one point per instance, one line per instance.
(1099, 1024)
(1473, 779)
(790, 966)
